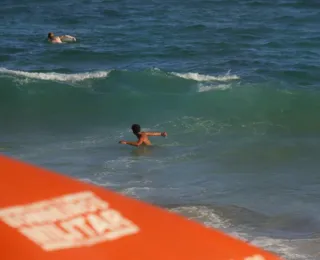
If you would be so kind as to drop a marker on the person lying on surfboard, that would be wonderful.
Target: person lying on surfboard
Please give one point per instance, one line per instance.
(60, 39)
(142, 136)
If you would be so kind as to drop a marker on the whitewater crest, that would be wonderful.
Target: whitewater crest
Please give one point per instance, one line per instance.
(53, 76)
(205, 78)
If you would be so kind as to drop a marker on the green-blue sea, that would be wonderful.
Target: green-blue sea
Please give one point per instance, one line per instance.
(235, 84)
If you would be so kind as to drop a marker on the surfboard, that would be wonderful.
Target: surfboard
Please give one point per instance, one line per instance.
(46, 215)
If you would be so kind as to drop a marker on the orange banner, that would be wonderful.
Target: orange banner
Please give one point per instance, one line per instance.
(46, 215)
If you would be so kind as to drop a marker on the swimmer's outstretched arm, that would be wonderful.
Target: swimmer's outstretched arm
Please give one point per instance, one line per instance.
(131, 143)
(140, 141)
(156, 133)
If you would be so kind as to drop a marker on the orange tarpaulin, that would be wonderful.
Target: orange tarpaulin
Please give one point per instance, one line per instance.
(45, 215)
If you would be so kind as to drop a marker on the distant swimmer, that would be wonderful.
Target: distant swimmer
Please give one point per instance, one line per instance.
(142, 136)
(60, 39)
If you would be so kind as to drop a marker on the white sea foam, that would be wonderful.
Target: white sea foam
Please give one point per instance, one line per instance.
(53, 76)
(201, 77)
(289, 249)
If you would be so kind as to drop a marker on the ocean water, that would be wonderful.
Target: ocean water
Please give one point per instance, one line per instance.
(235, 84)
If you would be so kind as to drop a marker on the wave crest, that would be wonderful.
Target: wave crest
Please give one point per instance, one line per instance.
(201, 77)
(53, 76)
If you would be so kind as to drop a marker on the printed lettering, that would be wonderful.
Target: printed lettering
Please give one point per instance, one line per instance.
(73, 220)
(43, 234)
(98, 223)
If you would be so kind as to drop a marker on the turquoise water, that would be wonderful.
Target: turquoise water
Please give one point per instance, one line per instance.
(234, 83)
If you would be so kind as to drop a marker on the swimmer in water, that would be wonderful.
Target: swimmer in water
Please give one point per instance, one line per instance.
(53, 39)
(142, 136)
(59, 39)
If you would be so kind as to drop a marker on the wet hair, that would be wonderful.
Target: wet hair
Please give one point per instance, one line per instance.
(136, 128)
(50, 35)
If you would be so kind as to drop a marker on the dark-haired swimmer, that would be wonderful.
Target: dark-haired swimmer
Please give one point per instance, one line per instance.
(54, 39)
(142, 136)
(60, 39)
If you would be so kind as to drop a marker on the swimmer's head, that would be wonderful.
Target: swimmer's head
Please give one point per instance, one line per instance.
(136, 129)
(50, 35)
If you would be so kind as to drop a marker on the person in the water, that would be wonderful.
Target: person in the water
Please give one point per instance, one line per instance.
(142, 136)
(60, 39)
(53, 39)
